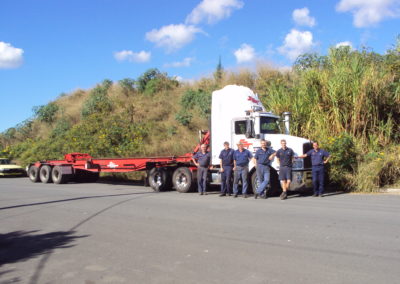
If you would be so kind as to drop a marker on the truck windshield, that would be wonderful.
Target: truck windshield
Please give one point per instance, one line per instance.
(269, 125)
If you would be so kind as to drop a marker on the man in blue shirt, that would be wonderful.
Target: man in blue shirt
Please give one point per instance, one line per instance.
(241, 158)
(262, 161)
(202, 161)
(285, 158)
(319, 158)
(226, 163)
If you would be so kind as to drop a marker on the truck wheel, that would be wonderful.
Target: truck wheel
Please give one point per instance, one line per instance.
(33, 174)
(58, 177)
(275, 183)
(158, 179)
(182, 180)
(274, 186)
(45, 174)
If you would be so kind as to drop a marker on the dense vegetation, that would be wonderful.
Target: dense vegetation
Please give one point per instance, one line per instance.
(348, 100)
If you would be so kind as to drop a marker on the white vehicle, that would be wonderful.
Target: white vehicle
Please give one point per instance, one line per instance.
(237, 115)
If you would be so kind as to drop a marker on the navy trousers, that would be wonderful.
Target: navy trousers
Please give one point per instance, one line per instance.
(240, 173)
(318, 179)
(263, 175)
(202, 179)
(226, 177)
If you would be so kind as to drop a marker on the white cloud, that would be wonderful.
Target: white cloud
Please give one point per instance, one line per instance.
(302, 17)
(184, 63)
(212, 11)
(369, 12)
(128, 55)
(10, 57)
(184, 80)
(245, 53)
(173, 37)
(296, 43)
(344, 43)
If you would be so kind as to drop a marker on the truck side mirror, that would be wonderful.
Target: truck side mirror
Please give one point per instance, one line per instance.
(250, 133)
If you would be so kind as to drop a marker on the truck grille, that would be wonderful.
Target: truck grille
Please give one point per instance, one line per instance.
(13, 171)
(307, 161)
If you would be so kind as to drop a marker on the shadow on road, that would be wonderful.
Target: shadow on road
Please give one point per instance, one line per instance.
(22, 245)
(71, 199)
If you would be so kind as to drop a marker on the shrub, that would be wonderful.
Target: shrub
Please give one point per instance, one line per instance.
(343, 161)
(183, 118)
(378, 169)
(127, 84)
(146, 77)
(98, 101)
(62, 126)
(153, 81)
(46, 113)
(199, 100)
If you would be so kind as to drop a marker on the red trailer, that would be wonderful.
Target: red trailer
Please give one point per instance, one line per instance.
(162, 172)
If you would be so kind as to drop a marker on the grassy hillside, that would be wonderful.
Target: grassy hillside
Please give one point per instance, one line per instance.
(348, 100)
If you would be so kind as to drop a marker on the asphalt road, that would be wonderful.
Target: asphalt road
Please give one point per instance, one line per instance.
(120, 233)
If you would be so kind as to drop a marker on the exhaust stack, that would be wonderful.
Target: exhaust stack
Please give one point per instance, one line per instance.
(286, 119)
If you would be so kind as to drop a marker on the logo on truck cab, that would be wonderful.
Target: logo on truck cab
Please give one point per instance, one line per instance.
(253, 100)
(246, 144)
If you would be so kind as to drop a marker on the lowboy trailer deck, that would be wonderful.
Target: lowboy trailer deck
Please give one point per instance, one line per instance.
(162, 172)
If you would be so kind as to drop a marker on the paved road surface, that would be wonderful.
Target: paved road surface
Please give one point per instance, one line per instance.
(119, 233)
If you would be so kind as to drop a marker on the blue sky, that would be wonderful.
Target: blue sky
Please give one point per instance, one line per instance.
(48, 47)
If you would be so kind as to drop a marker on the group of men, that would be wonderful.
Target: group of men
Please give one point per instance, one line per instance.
(236, 162)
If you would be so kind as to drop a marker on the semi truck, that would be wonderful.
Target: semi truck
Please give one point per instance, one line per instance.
(237, 115)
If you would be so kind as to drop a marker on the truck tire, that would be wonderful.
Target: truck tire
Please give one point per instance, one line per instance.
(182, 180)
(158, 179)
(274, 186)
(275, 183)
(33, 174)
(58, 177)
(45, 174)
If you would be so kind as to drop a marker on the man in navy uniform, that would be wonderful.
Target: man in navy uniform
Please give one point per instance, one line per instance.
(319, 158)
(262, 161)
(202, 161)
(226, 163)
(241, 159)
(285, 158)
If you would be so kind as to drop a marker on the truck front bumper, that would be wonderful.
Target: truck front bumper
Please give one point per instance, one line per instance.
(301, 180)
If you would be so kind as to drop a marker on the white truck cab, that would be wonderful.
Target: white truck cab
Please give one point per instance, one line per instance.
(237, 115)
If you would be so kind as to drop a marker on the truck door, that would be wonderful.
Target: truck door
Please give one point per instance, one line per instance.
(239, 134)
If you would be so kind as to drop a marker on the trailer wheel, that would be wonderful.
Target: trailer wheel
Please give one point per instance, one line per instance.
(33, 174)
(45, 174)
(58, 177)
(158, 179)
(182, 180)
